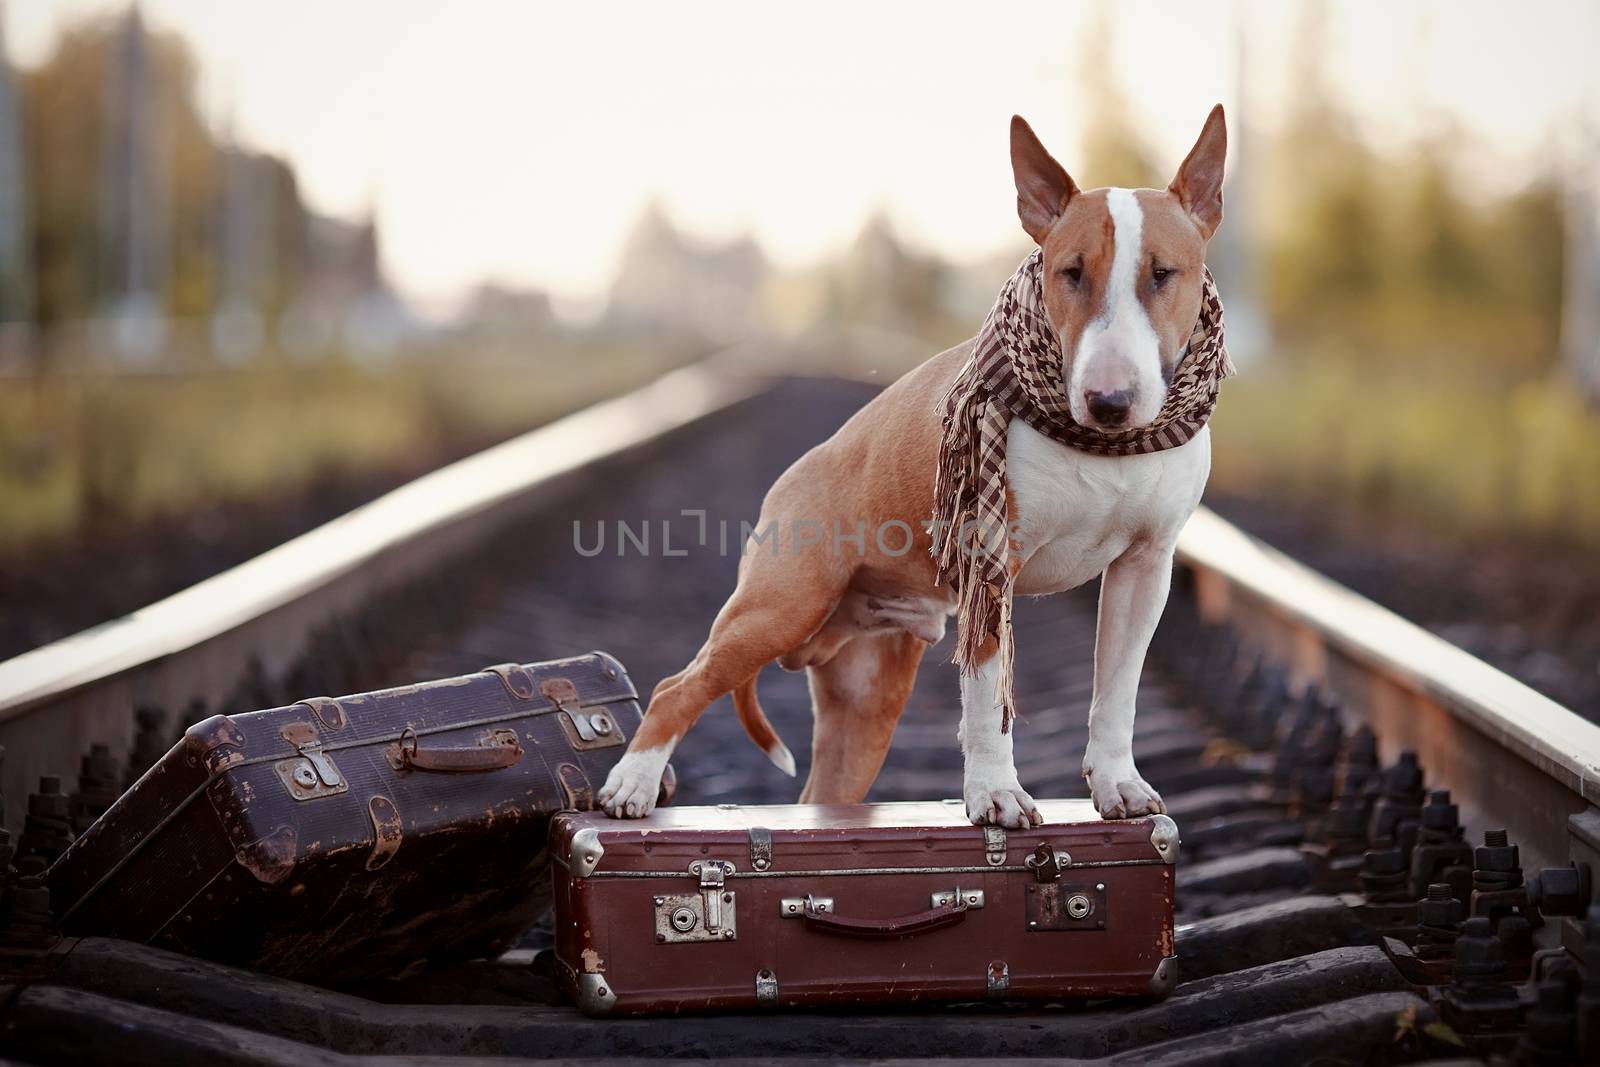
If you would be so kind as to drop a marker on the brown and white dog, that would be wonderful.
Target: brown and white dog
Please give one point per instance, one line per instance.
(1123, 271)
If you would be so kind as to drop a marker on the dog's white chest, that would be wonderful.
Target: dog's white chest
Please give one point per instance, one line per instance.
(1077, 512)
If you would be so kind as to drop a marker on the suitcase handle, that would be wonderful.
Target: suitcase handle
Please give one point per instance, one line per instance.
(818, 918)
(499, 749)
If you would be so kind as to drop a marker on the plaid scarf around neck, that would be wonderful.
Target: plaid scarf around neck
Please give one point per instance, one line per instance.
(1015, 371)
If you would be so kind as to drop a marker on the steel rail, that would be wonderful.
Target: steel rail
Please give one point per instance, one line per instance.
(1509, 755)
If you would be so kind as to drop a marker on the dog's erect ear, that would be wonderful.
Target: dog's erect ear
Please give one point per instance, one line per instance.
(1198, 185)
(1043, 185)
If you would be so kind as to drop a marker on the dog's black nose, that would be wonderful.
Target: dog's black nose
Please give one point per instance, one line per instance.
(1110, 409)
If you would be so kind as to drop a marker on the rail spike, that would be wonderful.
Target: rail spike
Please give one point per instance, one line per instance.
(1439, 916)
(1500, 897)
(1442, 853)
(47, 830)
(1588, 1036)
(99, 786)
(1480, 1002)
(149, 742)
(1550, 1028)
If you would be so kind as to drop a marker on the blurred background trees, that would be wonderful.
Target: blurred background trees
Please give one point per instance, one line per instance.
(130, 195)
(178, 324)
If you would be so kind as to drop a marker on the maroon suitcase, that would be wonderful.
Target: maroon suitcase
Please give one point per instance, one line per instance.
(338, 840)
(695, 909)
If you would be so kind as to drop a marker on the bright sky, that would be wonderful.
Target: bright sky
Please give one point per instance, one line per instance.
(516, 140)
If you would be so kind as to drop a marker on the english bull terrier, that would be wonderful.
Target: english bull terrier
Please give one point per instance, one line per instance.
(1122, 273)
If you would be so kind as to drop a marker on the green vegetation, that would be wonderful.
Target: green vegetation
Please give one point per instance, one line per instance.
(1474, 456)
(81, 455)
(1415, 375)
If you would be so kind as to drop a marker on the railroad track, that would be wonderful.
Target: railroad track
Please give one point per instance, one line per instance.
(1302, 737)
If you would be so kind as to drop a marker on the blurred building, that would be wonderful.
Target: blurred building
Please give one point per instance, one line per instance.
(670, 281)
(890, 298)
(882, 282)
(149, 238)
(503, 308)
(1580, 319)
(134, 200)
(16, 277)
(974, 285)
(238, 327)
(506, 322)
(342, 299)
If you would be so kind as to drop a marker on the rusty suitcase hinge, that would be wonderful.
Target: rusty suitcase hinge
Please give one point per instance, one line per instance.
(515, 677)
(311, 773)
(585, 727)
(327, 710)
(709, 915)
(994, 845)
(760, 847)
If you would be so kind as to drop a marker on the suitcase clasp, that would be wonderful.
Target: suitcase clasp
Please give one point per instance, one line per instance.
(311, 774)
(593, 728)
(713, 875)
(327, 774)
(709, 915)
(1046, 863)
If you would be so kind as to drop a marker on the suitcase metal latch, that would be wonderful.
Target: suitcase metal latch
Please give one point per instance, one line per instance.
(311, 773)
(1046, 863)
(709, 915)
(585, 728)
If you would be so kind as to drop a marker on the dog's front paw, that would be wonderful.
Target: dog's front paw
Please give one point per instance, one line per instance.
(1006, 805)
(631, 788)
(1119, 792)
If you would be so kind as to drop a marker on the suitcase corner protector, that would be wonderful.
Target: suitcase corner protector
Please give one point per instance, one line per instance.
(1164, 838)
(594, 994)
(584, 851)
(1165, 977)
(214, 743)
(611, 666)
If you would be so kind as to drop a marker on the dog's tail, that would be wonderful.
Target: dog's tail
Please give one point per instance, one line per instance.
(760, 730)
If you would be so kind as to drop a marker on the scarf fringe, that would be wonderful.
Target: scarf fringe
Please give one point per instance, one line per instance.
(1007, 673)
(983, 610)
(979, 603)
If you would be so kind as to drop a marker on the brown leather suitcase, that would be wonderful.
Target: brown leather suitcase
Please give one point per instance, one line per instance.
(338, 840)
(695, 909)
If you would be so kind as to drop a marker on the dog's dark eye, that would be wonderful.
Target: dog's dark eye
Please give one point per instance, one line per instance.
(1159, 275)
(1073, 275)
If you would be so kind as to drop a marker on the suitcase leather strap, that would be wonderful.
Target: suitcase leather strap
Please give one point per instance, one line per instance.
(825, 921)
